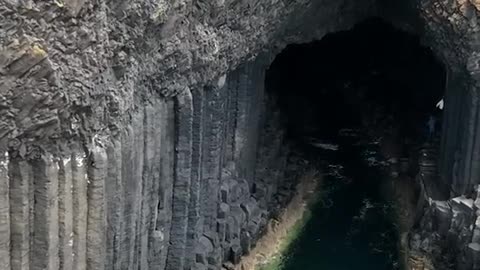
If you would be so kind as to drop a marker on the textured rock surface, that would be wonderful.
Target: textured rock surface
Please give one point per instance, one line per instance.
(135, 134)
(447, 235)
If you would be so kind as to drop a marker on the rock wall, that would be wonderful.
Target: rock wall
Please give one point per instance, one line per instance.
(447, 235)
(136, 134)
(452, 30)
(178, 188)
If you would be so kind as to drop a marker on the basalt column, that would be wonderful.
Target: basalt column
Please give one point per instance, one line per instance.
(455, 136)
(131, 133)
(460, 156)
(162, 181)
(4, 213)
(181, 185)
(96, 218)
(194, 218)
(83, 208)
(225, 216)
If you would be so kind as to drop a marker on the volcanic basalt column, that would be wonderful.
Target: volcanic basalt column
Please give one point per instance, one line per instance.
(136, 134)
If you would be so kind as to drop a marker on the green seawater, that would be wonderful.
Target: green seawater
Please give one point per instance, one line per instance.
(349, 228)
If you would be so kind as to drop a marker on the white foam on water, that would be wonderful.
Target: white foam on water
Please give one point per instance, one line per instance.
(325, 146)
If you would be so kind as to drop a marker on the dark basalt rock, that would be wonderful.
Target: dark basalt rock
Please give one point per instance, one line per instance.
(118, 120)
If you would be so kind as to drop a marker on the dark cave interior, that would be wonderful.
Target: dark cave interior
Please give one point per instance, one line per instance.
(373, 77)
(382, 86)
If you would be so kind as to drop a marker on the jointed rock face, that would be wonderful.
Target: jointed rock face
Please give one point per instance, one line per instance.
(137, 135)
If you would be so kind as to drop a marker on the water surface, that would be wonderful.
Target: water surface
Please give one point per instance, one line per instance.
(352, 227)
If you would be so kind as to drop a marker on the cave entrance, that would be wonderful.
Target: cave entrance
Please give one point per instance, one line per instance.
(373, 76)
(371, 89)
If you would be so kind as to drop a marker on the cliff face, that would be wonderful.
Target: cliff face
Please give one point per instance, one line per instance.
(136, 135)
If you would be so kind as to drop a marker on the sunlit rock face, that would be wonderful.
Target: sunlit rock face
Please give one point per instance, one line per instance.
(136, 134)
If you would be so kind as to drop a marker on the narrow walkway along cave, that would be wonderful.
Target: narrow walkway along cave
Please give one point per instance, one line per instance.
(362, 105)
